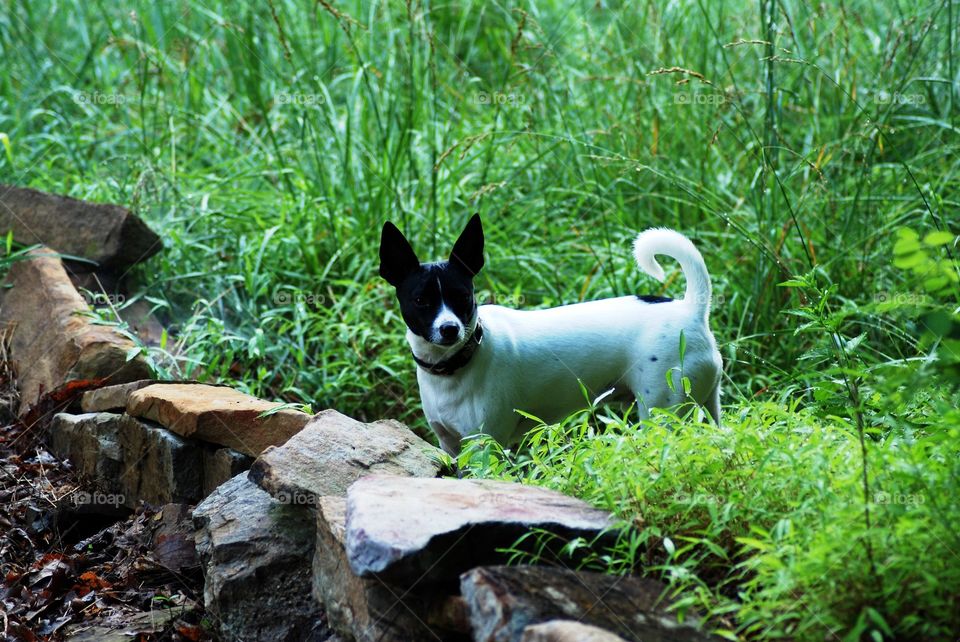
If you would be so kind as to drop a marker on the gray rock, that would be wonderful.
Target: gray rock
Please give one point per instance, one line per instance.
(63, 427)
(92, 443)
(368, 610)
(408, 530)
(505, 600)
(159, 467)
(111, 398)
(567, 631)
(256, 554)
(173, 545)
(220, 465)
(333, 451)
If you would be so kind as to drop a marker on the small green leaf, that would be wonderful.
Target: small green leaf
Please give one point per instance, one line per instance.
(878, 620)
(752, 542)
(908, 261)
(669, 376)
(906, 246)
(907, 233)
(934, 239)
(854, 343)
(279, 408)
(936, 283)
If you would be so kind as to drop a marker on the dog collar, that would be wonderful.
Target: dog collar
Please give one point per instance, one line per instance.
(446, 367)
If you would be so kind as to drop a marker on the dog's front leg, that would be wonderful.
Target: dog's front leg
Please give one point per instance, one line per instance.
(449, 440)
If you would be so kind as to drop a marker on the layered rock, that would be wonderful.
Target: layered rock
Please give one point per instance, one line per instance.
(92, 443)
(367, 609)
(130, 459)
(112, 398)
(217, 415)
(333, 450)
(159, 467)
(221, 465)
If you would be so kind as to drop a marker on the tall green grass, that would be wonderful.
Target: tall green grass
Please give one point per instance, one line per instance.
(267, 143)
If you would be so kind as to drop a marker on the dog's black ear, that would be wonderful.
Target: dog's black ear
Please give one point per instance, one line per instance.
(397, 258)
(468, 250)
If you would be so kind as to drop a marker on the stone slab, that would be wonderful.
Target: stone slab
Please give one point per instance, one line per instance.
(333, 451)
(216, 414)
(430, 530)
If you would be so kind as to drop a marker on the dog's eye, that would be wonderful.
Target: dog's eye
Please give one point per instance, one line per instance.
(420, 301)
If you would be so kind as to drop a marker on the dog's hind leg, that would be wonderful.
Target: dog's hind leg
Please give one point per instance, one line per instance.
(652, 391)
(712, 404)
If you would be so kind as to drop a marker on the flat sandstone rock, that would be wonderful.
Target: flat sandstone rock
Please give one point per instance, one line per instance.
(216, 414)
(333, 451)
(406, 530)
(111, 398)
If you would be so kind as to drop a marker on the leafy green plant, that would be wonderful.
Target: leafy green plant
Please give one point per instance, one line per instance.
(758, 523)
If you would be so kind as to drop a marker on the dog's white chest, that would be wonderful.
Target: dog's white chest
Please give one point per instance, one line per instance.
(450, 401)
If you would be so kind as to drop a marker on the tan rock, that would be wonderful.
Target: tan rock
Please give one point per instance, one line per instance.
(333, 451)
(107, 234)
(51, 342)
(567, 631)
(216, 414)
(110, 398)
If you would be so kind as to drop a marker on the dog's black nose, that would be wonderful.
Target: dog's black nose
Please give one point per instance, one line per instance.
(449, 331)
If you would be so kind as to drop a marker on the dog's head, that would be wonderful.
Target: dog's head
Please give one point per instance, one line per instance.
(436, 299)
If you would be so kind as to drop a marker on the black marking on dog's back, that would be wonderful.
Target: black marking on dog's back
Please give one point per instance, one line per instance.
(653, 298)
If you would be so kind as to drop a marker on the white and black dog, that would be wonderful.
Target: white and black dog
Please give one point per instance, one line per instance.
(477, 365)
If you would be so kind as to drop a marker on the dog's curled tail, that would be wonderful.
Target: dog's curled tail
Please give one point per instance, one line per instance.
(673, 244)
